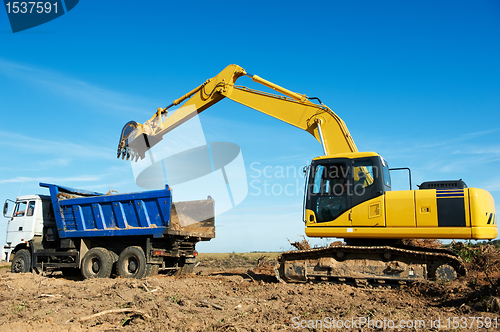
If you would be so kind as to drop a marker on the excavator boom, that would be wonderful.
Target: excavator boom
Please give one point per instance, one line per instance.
(290, 107)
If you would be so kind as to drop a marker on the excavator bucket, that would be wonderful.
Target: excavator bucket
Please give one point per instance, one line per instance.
(126, 147)
(134, 142)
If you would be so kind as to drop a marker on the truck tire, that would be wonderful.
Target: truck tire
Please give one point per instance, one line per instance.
(131, 263)
(21, 263)
(114, 256)
(97, 263)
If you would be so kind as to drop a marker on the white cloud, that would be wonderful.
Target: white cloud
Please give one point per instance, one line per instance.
(492, 184)
(491, 151)
(56, 162)
(37, 165)
(73, 88)
(459, 139)
(82, 178)
(435, 143)
(464, 152)
(32, 145)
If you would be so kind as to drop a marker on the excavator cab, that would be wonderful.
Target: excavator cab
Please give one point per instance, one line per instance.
(340, 182)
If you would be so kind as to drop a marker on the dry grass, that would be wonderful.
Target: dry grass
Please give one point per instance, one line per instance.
(226, 255)
(427, 243)
(301, 245)
(247, 260)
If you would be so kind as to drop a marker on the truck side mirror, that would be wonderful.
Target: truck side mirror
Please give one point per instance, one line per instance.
(5, 209)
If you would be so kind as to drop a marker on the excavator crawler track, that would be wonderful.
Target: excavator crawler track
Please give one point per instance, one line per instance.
(364, 265)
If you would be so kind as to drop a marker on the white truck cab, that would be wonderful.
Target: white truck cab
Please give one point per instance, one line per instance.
(26, 221)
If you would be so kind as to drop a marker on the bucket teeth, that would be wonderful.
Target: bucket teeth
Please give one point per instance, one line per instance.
(124, 152)
(120, 151)
(128, 154)
(127, 134)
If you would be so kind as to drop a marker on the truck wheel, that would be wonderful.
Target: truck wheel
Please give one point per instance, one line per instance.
(113, 255)
(131, 263)
(21, 263)
(97, 263)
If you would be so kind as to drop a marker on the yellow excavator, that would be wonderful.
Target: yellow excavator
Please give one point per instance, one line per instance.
(348, 193)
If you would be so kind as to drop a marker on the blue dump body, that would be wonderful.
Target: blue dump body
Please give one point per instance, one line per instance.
(81, 213)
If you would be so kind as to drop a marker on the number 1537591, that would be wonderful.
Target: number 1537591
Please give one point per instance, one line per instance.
(31, 7)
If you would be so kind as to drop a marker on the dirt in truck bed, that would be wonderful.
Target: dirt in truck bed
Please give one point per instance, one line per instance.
(238, 292)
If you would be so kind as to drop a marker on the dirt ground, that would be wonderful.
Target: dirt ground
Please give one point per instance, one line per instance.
(238, 292)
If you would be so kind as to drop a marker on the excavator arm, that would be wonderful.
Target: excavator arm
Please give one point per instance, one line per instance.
(290, 107)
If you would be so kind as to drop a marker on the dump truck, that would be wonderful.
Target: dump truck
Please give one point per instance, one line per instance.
(132, 235)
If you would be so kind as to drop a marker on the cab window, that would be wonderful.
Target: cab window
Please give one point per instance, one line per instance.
(20, 209)
(31, 209)
(318, 177)
(387, 175)
(363, 174)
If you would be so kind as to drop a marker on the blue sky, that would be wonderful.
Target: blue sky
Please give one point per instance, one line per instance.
(417, 82)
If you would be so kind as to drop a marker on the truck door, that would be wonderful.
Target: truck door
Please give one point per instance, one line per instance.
(20, 228)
